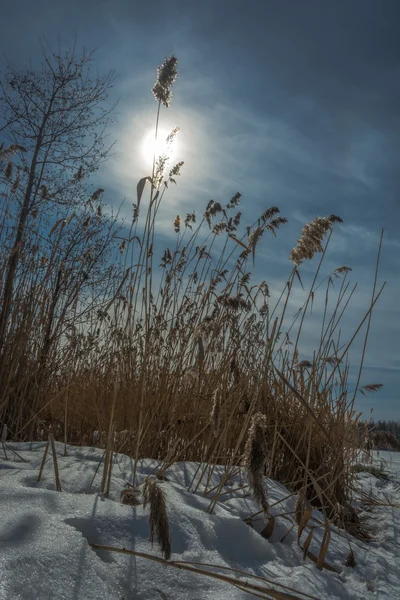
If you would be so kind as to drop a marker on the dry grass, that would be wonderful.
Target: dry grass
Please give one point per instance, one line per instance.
(200, 366)
(264, 588)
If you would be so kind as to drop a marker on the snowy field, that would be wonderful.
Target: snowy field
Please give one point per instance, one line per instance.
(45, 536)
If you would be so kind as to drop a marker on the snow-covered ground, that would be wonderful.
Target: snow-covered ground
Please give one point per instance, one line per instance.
(45, 535)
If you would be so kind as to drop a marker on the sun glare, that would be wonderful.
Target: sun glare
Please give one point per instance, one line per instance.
(158, 147)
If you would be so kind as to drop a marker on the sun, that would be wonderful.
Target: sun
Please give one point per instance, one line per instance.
(159, 147)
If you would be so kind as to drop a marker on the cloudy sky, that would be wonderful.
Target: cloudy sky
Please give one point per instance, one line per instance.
(294, 103)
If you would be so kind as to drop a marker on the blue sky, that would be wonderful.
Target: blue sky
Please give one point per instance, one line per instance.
(293, 103)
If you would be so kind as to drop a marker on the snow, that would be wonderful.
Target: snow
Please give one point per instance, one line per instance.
(45, 535)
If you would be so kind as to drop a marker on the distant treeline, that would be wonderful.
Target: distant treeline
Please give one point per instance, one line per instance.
(380, 435)
(389, 426)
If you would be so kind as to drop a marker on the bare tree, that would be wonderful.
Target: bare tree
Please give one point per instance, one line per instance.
(54, 121)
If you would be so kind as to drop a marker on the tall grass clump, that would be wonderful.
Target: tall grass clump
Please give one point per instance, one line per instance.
(179, 354)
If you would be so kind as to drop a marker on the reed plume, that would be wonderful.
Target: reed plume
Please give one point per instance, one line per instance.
(154, 496)
(256, 454)
(311, 238)
(302, 507)
(166, 75)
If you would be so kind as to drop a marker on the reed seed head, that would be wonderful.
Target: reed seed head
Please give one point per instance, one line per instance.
(9, 170)
(256, 454)
(130, 496)
(302, 506)
(311, 238)
(154, 496)
(166, 76)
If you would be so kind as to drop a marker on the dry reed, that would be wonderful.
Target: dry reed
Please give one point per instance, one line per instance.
(154, 496)
(255, 459)
(179, 347)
